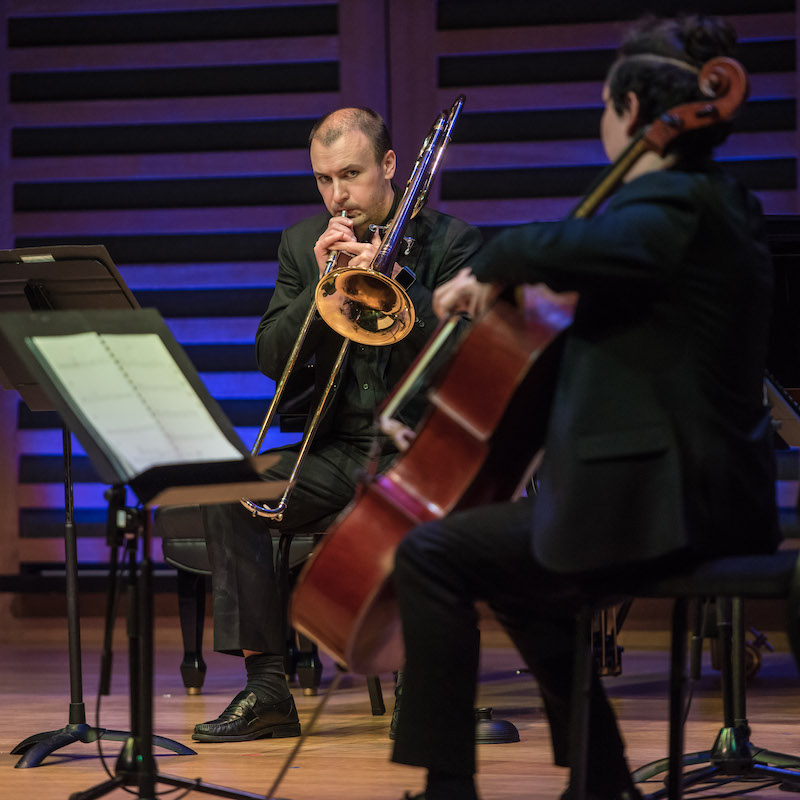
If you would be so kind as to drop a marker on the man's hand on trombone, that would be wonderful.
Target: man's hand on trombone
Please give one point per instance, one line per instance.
(338, 234)
(340, 237)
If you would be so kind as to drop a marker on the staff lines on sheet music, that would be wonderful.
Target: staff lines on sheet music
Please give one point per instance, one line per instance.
(168, 394)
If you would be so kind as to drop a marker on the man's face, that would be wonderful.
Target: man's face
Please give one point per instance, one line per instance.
(349, 179)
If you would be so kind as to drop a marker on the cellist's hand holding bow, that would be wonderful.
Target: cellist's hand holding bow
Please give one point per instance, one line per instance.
(464, 293)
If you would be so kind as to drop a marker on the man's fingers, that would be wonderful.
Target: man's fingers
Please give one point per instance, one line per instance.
(363, 252)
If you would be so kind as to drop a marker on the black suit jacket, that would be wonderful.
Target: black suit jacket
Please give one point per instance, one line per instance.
(442, 245)
(658, 439)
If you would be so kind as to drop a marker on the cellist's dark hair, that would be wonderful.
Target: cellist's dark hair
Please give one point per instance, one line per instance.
(658, 61)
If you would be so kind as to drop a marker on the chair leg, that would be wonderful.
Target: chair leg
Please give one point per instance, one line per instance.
(191, 612)
(376, 695)
(579, 703)
(677, 699)
(307, 665)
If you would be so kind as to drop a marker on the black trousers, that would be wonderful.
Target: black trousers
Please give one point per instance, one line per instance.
(441, 569)
(247, 613)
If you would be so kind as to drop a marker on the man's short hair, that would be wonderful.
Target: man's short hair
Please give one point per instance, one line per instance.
(335, 124)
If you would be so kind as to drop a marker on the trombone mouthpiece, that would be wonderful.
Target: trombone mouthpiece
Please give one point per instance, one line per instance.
(334, 254)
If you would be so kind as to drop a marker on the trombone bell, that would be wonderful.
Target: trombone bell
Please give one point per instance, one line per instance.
(365, 306)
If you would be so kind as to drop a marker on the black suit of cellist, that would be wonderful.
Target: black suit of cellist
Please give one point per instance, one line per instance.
(657, 454)
(658, 448)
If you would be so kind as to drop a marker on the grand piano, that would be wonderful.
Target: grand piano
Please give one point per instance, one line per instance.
(782, 382)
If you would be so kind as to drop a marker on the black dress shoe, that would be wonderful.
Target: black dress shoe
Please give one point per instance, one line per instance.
(248, 718)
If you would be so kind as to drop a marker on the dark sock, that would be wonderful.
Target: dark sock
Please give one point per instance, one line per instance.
(450, 787)
(265, 677)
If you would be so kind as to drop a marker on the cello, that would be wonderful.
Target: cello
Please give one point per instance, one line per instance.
(473, 447)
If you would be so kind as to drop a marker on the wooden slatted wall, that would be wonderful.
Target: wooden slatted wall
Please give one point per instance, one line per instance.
(528, 147)
(174, 133)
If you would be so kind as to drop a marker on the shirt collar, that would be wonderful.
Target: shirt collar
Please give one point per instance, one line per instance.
(395, 202)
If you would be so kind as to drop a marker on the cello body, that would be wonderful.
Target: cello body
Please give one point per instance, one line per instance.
(474, 447)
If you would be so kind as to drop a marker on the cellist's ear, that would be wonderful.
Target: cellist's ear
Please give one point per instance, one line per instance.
(631, 113)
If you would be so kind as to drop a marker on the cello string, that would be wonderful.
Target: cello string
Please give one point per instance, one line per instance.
(399, 396)
(307, 728)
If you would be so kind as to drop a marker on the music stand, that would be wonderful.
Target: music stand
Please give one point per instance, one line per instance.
(56, 278)
(88, 364)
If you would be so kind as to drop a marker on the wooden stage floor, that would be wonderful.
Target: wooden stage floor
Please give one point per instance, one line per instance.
(347, 756)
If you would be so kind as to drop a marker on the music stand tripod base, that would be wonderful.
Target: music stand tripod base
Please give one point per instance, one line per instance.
(732, 757)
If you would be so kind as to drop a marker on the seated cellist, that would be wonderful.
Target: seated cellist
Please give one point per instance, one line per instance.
(658, 451)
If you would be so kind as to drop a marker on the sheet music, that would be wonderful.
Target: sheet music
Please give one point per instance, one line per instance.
(784, 411)
(130, 390)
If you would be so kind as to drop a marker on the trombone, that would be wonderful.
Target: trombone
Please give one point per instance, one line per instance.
(363, 304)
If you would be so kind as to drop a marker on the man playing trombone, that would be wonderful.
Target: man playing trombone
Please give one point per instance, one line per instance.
(353, 165)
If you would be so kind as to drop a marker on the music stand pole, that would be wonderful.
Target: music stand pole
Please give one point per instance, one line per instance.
(77, 711)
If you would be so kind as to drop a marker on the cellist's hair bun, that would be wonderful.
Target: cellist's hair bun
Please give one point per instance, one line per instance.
(707, 37)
